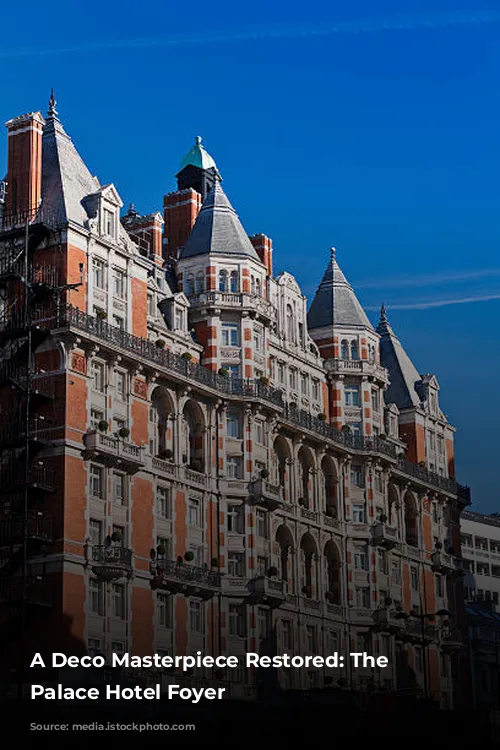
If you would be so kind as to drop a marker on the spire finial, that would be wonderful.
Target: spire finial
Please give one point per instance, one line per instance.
(333, 251)
(52, 112)
(383, 314)
(197, 140)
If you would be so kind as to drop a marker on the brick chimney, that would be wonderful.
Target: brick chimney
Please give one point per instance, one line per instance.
(180, 210)
(264, 247)
(24, 171)
(146, 232)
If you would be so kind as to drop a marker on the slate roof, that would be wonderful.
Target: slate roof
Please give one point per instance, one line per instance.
(403, 374)
(335, 303)
(218, 230)
(65, 177)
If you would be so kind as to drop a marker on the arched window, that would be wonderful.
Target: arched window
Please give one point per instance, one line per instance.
(235, 281)
(344, 350)
(222, 281)
(258, 287)
(354, 350)
(290, 324)
(252, 285)
(189, 287)
(200, 281)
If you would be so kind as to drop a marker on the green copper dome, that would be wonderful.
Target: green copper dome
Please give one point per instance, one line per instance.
(198, 157)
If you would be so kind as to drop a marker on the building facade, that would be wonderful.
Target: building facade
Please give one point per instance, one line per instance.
(191, 460)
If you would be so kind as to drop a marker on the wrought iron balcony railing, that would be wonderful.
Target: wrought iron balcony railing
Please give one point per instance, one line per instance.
(36, 525)
(111, 561)
(173, 575)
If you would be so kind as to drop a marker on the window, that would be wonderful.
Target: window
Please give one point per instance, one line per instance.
(363, 598)
(480, 543)
(258, 287)
(354, 350)
(163, 610)
(235, 281)
(382, 561)
(96, 416)
(396, 572)
(260, 435)
(94, 647)
(351, 393)
(233, 371)
(301, 334)
(230, 334)
(121, 386)
(333, 641)
(95, 529)
(356, 476)
(495, 571)
(195, 617)
(272, 368)
(235, 519)
(311, 639)
(258, 340)
(194, 512)
(344, 350)
(439, 587)
(97, 373)
(315, 390)
(99, 273)
(179, 319)
(236, 620)
(120, 285)
(482, 569)
(293, 379)
(281, 373)
(263, 622)
(261, 518)
(419, 663)
(304, 385)
(360, 560)
(119, 531)
(151, 306)
(200, 282)
(379, 483)
(358, 513)
(290, 324)
(109, 222)
(494, 547)
(97, 481)
(163, 501)
(223, 281)
(286, 635)
(189, 285)
(119, 489)
(236, 564)
(234, 466)
(96, 597)
(118, 647)
(375, 400)
(262, 566)
(414, 579)
(119, 322)
(233, 425)
(118, 600)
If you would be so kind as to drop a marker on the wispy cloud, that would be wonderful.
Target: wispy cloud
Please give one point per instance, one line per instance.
(425, 305)
(430, 279)
(406, 23)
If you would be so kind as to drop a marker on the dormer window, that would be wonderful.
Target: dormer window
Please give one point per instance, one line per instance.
(109, 222)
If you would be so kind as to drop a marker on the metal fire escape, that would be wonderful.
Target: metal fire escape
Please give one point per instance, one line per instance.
(29, 299)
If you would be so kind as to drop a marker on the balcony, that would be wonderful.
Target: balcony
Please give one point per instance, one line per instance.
(113, 452)
(452, 642)
(38, 528)
(385, 619)
(265, 590)
(415, 632)
(357, 367)
(231, 301)
(40, 479)
(267, 495)
(190, 580)
(384, 536)
(160, 466)
(442, 562)
(111, 562)
(36, 592)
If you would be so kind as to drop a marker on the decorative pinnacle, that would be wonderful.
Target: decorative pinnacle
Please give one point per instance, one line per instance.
(333, 251)
(383, 314)
(197, 140)
(52, 112)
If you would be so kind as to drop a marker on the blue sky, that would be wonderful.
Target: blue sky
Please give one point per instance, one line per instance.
(372, 127)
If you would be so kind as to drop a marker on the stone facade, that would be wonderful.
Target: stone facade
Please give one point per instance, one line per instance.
(217, 471)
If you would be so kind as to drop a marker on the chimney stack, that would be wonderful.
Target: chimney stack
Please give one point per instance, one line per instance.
(264, 247)
(24, 171)
(180, 211)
